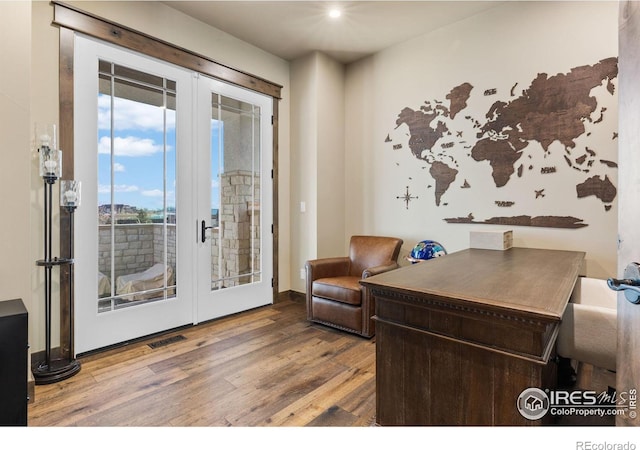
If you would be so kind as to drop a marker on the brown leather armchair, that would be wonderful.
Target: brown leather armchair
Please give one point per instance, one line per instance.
(335, 296)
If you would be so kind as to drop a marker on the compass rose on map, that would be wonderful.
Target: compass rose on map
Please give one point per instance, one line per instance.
(407, 198)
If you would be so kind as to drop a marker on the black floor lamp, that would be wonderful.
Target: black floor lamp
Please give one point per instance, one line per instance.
(51, 370)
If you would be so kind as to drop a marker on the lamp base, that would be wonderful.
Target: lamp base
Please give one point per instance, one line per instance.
(57, 370)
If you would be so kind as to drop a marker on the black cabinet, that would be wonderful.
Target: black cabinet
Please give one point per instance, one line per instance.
(13, 363)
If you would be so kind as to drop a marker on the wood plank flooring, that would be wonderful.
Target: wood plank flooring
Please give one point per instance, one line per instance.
(265, 367)
(268, 367)
(592, 379)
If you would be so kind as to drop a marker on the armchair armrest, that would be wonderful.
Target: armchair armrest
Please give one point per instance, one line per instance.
(371, 271)
(323, 268)
(327, 267)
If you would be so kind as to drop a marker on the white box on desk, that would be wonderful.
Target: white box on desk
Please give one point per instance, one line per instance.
(491, 240)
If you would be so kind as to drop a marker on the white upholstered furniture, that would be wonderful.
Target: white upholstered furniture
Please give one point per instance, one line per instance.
(588, 332)
(137, 283)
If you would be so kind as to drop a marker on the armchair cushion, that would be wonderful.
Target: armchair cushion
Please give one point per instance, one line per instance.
(339, 289)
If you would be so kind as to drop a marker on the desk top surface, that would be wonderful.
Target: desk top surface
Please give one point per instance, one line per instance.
(533, 281)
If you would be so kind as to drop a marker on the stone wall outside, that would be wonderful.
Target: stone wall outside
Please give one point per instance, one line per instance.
(137, 247)
(236, 232)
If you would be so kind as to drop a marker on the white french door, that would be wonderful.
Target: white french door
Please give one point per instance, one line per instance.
(234, 199)
(155, 162)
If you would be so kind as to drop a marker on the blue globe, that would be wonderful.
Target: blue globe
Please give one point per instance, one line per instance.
(425, 250)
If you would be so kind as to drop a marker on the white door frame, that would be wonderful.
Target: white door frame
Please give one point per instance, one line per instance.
(218, 303)
(92, 329)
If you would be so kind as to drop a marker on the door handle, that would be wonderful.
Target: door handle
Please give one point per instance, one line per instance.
(630, 285)
(203, 231)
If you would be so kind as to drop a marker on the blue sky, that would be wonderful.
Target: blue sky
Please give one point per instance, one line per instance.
(139, 152)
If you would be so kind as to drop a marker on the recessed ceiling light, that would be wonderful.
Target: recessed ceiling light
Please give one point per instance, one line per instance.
(334, 13)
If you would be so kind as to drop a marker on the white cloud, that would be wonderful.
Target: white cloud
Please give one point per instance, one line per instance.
(105, 188)
(128, 146)
(117, 167)
(130, 115)
(215, 184)
(153, 193)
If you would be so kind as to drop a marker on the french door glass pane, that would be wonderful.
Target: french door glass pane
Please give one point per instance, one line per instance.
(235, 192)
(136, 187)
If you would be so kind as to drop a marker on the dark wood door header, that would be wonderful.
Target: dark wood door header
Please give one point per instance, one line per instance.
(83, 22)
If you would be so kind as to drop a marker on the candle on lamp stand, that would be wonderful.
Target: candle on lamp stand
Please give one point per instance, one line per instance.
(50, 155)
(70, 198)
(50, 167)
(45, 140)
(70, 194)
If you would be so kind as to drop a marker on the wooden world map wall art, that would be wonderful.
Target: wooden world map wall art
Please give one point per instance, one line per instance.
(552, 119)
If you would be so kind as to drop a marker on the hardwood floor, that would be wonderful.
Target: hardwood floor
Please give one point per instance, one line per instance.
(592, 379)
(265, 367)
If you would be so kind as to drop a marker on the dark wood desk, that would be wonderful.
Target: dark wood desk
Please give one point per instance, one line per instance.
(459, 337)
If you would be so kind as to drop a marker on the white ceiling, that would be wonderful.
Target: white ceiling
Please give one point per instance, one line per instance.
(290, 29)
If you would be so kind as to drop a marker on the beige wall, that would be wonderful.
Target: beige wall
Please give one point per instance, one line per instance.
(16, 264)
(304, 151)
(330, 168)
(507, 44)
(318, 176)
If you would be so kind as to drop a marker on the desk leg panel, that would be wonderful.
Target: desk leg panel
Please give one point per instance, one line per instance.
(390, 376)
(424, 379)
(416, 364)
